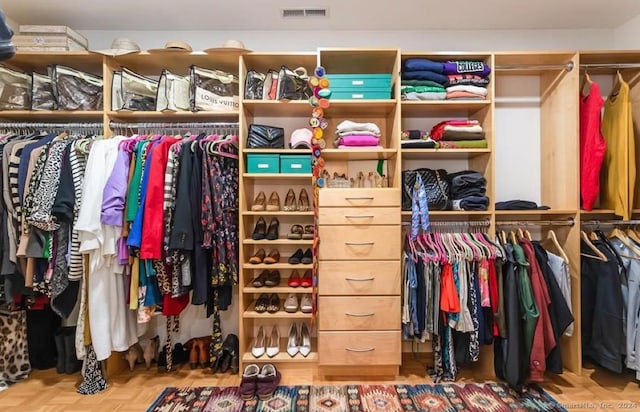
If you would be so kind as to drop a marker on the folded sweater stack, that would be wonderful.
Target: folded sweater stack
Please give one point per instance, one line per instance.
(459, 134)
(468, 191)
(353, 135)
(424, 79)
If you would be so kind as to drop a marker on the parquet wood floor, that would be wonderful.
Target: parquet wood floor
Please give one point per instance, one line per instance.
(46, 391)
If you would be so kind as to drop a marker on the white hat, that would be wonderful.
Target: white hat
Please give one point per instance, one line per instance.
(119, 47)
(301, 139)
(173, 46)
(229, 46)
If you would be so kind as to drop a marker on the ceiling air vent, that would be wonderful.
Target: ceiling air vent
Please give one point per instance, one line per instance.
(286, 13)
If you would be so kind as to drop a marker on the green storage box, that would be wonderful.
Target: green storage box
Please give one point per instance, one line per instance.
(263, 163)
(295, 164)
(359, 81)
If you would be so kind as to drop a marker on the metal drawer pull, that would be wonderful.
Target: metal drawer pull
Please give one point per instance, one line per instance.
(360, 315)
(359, 198)
(359, 243)
(360, 350)
(360, 280)
(359, 217)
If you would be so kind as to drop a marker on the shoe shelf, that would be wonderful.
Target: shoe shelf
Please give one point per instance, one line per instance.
(276, 213)
(283, 241)
(276, 266)
(281, 314)
(282, 288)
(272, 176)
(282, 356)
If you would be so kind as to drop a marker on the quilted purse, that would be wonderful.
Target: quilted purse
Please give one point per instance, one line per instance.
(265, 137)
(435, 183)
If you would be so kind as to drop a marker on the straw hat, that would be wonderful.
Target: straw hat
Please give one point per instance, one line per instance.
(119, 47)
(173, 46)
(230, 46)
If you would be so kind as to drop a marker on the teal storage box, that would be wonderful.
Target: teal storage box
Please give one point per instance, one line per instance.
(359, 81)
(263, 163)
(364, 94)
(295, 164)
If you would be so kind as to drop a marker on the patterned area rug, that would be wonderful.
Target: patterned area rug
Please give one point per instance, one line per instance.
(489, 397)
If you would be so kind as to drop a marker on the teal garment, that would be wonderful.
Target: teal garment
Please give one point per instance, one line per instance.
(527, 301)
(421, 83)
(133, 195)
(422, 89)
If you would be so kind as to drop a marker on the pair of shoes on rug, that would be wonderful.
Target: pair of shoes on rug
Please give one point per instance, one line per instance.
(259, 382)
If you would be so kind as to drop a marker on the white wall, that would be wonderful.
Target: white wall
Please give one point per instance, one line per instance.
(626, 36)
(488, 40)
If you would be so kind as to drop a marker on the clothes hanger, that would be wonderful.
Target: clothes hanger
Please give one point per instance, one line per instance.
(621, 236)
(599, 255)
(520, 233)
(528, 235)
(512, 237)
(617, 83)
(586, 86)
(551, 235)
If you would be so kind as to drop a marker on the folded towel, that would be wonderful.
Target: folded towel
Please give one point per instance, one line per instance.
(466, 79)
(463, 129)
(359, 140)
(425, 75)
(349, 126)
(467, 67)
(424, 96)
(359, 147)
(358, 132)
(482, 91)
(422, 64)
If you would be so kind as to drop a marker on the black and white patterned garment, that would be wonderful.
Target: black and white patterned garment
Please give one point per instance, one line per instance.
(93, 380)
(78, 162)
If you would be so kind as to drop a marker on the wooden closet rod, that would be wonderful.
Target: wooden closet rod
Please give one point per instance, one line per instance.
(610, 222)
(517, 223)
(515, 67)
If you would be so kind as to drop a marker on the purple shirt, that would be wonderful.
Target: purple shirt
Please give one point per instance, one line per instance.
(467, 67)
(115, 192)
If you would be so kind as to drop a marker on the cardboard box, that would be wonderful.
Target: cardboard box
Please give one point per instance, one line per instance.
(42, 30)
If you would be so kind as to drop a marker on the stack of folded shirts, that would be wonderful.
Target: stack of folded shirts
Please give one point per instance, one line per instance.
(466, 80)
(459, 134)
(468, 190)
(417, 139)
(423, 79)
(352, 135)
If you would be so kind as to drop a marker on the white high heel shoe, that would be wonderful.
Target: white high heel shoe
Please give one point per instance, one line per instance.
(292, 343)
(305, 341)
(258, 348)
(273, 348)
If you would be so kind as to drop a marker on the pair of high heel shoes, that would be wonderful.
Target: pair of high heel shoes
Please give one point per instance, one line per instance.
(148, 355)
(199, 351)
(230, 356)
(260, 231)
(299, 340)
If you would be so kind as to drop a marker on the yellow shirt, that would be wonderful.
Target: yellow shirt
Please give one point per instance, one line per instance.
(619, 166)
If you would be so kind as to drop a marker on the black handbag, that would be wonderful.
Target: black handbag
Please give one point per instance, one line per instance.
(265, 137)
(293, 84)
(253, 85)
(435, 183)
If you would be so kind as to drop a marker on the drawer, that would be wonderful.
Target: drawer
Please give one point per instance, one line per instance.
(377, 277)
(361, 94)
(360, 242)
(359, 313)
(359, 216)
(359, 197)
(295, 164)
(263, 163)
(359, 81)
(359, 348)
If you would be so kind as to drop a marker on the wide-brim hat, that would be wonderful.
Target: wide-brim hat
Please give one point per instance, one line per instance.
(119, 47)
(173, 46)
(229, 46)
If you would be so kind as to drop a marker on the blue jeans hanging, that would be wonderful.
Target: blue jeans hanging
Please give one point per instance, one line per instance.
(419, 209)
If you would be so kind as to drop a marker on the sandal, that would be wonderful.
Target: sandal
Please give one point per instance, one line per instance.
(273, 304)
(296, 232)
(262, 304)
(308, 232)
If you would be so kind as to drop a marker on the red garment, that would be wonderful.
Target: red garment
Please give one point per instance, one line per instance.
(437, 131)
(544, 339)
(449, 300)
(493, 294)
(153, 224)
(592, 145)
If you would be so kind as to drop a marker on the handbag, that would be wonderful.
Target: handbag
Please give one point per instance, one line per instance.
(76, 90)
(435, 183)
(42, 92)
(265, 137)
(214, 90)
(254, 85)
(173, 92)
(15, 90)
(293, 84)
(133, 91)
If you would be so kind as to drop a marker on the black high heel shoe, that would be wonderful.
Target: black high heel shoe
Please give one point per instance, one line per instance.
(274, 229)
(260, 230)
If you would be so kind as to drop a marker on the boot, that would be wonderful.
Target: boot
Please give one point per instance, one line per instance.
(71, 362)
(59, 338)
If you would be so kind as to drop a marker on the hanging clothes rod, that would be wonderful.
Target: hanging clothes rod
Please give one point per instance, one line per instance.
(517, 223)
(610, 66)
(37, 125)
(610, 222)
(519, 67)
(177, 125)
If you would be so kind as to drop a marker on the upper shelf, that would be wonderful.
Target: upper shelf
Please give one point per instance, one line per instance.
(360, 60)
(442, 107)
(299, 108)
(153, 63)
(38, 61)
(61, 115)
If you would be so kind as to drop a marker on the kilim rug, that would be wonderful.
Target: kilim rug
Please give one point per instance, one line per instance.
(488, 397)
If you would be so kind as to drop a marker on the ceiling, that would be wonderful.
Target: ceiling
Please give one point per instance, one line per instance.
(342, 14)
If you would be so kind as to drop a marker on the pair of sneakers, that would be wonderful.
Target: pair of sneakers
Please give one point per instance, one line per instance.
(259, 382)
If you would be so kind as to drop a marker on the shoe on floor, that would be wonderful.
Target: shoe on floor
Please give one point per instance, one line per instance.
(268, 381)
(249, 382)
